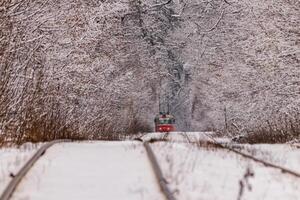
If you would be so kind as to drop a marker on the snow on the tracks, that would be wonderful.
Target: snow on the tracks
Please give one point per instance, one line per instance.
(91, 170)
(179, 136)
(12, 159)
(210, 173)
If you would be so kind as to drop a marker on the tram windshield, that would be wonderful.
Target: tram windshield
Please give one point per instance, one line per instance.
(166, 121)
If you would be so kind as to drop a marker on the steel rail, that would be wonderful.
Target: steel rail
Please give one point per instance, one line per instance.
(13, 184)
(158, 173)
(258, 160)
(265, 163)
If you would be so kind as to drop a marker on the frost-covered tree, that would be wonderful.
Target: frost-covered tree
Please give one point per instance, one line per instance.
(105, 66)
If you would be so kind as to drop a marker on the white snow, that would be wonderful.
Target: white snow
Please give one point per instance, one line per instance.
(179, 136)
(12, 159)
(211, 174)
(121, 170)
(91, 170)
(281, 154)
(185, 137)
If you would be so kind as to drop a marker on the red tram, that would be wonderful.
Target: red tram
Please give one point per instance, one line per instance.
(164, 123)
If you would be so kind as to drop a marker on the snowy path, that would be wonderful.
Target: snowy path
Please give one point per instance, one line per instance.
(96, 170)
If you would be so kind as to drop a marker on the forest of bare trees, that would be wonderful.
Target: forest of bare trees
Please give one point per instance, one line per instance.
(90, 68)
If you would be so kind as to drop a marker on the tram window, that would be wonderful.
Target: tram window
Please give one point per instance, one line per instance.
(163, 121)
(166, 121)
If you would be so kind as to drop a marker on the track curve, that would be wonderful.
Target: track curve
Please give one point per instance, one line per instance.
(8, 191)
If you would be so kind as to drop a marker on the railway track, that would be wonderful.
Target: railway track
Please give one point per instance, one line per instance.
(161, 181)
(13, 184)
(250, 157)
(158, 173)
(11, 187)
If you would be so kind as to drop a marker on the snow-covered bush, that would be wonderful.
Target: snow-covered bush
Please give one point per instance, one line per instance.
(278, 130)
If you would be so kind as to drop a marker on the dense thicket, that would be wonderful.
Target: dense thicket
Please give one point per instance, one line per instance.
(91, 67)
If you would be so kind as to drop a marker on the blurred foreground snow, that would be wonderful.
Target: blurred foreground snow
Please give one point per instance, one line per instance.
(121, 170)
(91, 170)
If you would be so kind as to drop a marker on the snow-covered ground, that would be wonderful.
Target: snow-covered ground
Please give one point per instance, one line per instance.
(90, 171)
(205, 173)
(12, 159)
(121, 170)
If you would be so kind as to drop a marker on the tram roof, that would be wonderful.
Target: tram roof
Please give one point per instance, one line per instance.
(164, 116)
